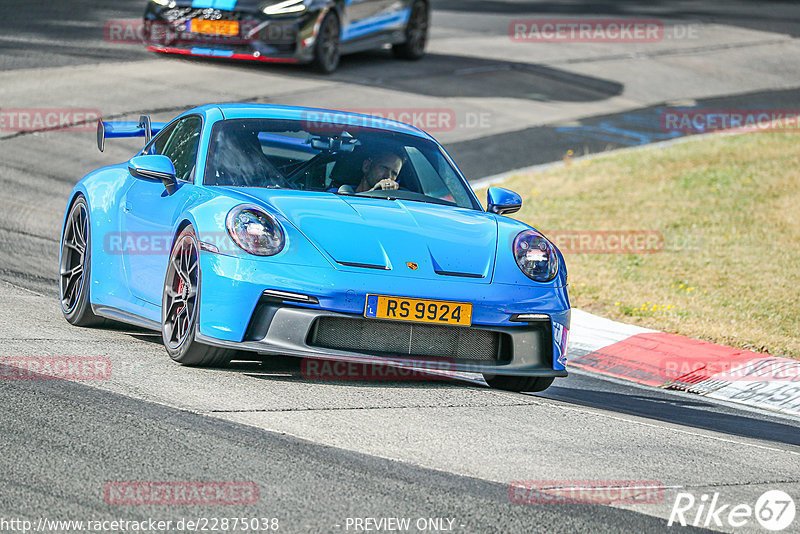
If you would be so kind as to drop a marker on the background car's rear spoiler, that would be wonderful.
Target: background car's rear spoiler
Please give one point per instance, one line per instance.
(111, 129)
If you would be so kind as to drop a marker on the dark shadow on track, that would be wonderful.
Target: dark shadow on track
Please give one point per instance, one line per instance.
(670, 407)
(441, 75)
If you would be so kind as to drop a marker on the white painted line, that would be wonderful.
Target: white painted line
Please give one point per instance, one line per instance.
(591, 332)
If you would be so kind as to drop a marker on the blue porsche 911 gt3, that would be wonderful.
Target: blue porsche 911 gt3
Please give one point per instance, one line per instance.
(317, 234)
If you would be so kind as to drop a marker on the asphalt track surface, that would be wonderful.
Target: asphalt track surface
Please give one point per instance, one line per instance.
(322, 452)
(306, 486)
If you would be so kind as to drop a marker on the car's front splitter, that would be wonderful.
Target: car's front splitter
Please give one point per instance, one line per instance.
(220, 53)
(289, 329)
(232, 291)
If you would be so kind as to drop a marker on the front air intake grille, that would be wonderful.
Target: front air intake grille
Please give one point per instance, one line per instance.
(410, 340)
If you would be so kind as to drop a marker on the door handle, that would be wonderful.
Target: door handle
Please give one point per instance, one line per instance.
(127, 207)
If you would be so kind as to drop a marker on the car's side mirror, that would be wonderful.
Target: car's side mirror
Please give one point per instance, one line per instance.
(154, 167)
(502, 201)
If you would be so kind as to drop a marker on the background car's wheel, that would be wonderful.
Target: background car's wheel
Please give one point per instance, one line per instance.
(326, 49)
(75, 267)
(416, 33)
(519, 383)
(180, 306)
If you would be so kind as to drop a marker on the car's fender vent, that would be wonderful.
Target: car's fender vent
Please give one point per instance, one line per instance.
(462, 275)
(364, 265)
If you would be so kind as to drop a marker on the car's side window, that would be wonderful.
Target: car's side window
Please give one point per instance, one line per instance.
(182, 145)
(156, 146)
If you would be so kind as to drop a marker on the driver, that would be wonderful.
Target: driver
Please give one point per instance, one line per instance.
(380, 171)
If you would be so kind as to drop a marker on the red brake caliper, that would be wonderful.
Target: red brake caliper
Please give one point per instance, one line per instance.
(180, 290)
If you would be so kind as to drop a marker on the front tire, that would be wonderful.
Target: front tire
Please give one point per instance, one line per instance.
(180, 307)
(532, 384)
(416, 33)
(75, 267)
(326, 50)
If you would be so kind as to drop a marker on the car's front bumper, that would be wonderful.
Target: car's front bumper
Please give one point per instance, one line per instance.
(235, 313)
(279, 39)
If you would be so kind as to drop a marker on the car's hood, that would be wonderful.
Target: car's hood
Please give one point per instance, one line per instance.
(357, 232)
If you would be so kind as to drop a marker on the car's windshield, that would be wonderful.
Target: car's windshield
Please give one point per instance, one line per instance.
(332, 158)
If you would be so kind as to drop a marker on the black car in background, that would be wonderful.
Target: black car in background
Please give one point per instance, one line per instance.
(315, 32)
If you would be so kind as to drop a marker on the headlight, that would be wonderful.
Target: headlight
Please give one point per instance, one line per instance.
(536, 256)
(254, 230)
(282, 8)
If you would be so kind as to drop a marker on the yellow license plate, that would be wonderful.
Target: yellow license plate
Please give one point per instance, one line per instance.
(418, 310)
(215, 27)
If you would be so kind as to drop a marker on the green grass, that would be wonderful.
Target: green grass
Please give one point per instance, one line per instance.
(728, 208)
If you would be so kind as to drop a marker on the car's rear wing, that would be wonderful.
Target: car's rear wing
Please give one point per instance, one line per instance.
(112, 129)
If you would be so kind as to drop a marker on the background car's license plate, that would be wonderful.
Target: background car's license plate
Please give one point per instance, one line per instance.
(215, 27)
(420, 310)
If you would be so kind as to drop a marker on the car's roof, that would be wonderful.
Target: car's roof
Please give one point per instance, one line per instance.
(317, 116)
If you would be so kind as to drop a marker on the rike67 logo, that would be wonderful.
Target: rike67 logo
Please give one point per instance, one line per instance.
(774, 510)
